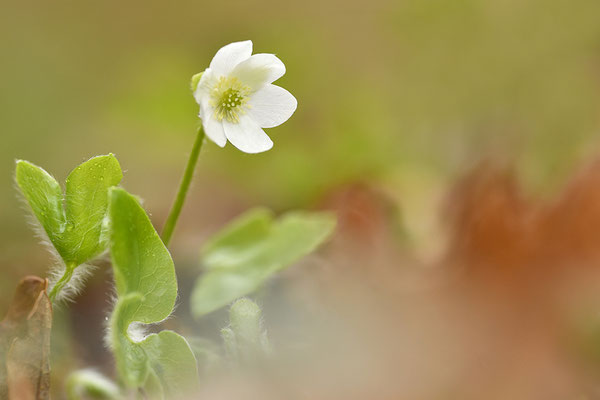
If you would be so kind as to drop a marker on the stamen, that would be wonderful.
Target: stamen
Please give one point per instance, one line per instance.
(229, 97)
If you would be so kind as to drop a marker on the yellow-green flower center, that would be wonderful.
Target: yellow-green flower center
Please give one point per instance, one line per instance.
(228, 98)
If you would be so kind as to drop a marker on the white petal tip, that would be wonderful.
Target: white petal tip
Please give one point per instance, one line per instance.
(256, 151)
(227, 57)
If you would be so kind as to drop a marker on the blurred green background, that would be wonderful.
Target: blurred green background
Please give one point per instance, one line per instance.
(404, 95)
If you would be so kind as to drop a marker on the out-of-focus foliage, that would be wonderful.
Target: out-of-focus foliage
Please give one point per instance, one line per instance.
(247, 252)
(88, 383)
(245, 338)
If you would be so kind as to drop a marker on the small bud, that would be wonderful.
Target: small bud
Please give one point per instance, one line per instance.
(244, 338)
(229, 342)
(244, 317)
(195, 81)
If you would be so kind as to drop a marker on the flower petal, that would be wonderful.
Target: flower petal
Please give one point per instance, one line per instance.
(271, 106)
(247, 136)
(229, 56)
(213, 128)
(259, 70)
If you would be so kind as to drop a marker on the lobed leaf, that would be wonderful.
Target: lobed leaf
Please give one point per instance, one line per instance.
(74, 222)
(240, 258)
(147, 289)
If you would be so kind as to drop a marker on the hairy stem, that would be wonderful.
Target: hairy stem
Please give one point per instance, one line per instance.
(62, 281)
(183, 189)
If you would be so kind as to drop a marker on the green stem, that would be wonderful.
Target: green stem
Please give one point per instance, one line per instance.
(62, 281)
(183, 189)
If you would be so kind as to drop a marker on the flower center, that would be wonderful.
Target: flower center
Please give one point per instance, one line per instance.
(229, 97)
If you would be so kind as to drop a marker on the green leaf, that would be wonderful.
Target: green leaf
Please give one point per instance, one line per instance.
(86, 207)
(45, 197)
(240, 258)
(141, 262)
(73, 222)
(172, 361)
(147, 289)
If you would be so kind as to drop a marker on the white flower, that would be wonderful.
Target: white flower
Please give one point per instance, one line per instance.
(237, 99)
